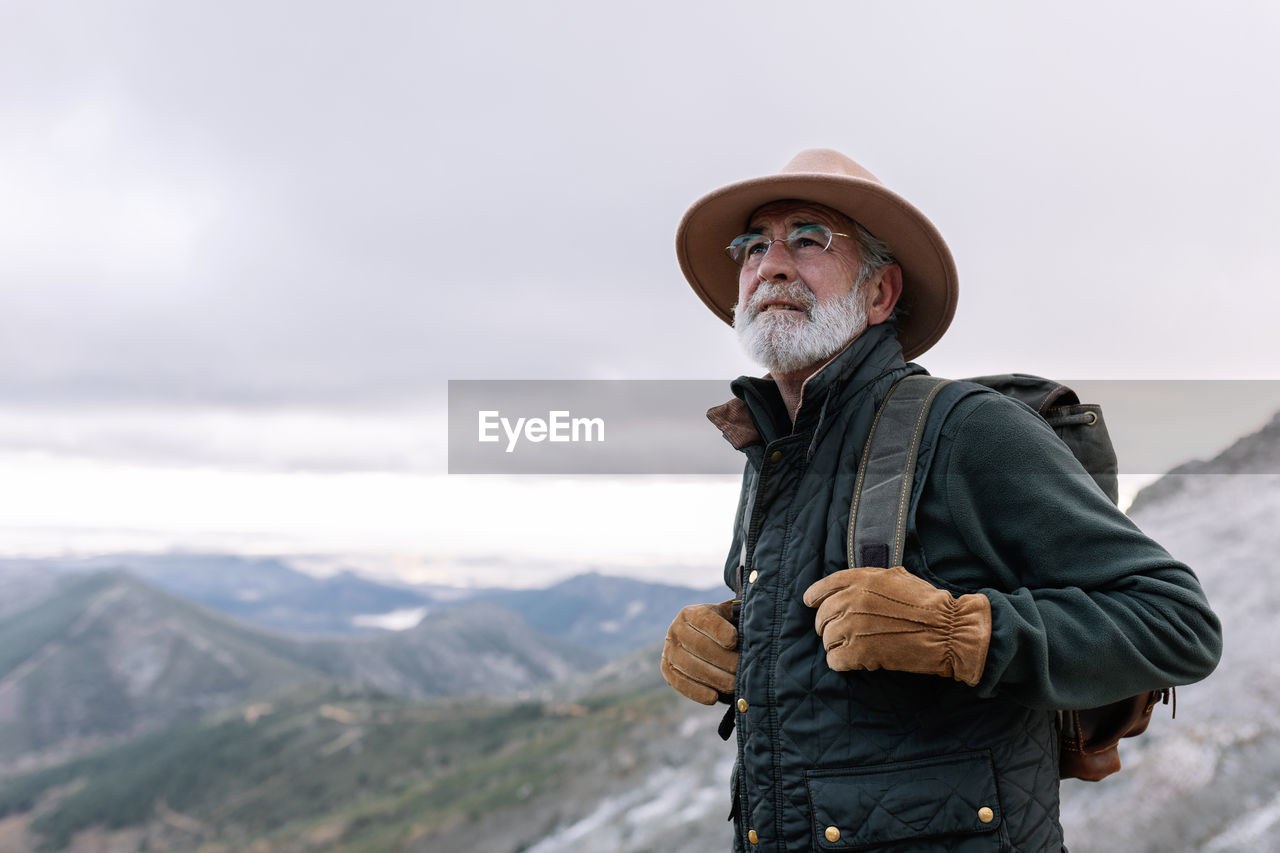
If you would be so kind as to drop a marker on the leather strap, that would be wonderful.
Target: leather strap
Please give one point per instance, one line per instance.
(878, 518)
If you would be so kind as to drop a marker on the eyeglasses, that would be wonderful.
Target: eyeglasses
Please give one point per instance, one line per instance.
(807, 241)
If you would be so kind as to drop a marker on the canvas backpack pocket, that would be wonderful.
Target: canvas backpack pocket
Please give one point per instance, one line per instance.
(904, 804)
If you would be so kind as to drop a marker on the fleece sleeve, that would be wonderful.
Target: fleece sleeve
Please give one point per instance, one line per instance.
(1085, 608)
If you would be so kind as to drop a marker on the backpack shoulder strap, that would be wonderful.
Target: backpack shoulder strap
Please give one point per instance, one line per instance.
(898, 451)
(886, 473)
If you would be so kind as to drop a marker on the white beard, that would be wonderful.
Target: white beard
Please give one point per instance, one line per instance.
(787, 341)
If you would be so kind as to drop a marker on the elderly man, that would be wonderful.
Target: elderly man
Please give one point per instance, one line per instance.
(915, 707)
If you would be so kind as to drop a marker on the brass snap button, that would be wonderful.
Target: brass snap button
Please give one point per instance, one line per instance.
(752, 837)
(986, 815)
(776, 456)
(832, 834)
(742, 705)
(751, 578)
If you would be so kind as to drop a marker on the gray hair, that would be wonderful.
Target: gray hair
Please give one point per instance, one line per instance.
(874, 255)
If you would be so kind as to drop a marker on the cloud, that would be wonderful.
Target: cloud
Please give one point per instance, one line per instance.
(509, 532)
(247, 205)
(281, 440)
(263, 214)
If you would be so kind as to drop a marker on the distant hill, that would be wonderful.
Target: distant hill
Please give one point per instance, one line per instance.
(1255, 456)
(108, 657)
(476, 648)
(325, 769)
(602, 614)
(131, 718)
(263, 590)
(22, 587)
(612, 615)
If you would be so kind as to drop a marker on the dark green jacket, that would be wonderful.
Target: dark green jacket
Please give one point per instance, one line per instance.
(1085, 610)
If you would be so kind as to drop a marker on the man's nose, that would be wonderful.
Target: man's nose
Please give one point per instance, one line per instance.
(778, 264)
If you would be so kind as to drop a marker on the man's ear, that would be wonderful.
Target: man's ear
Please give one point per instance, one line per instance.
(883, 294)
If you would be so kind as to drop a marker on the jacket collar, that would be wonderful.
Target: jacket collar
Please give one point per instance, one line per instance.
(756, 414)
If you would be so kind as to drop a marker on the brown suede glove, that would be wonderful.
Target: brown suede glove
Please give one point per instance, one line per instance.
(700, 656)
(872, 618)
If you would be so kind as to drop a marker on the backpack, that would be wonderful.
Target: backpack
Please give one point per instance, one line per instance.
(1088, 741)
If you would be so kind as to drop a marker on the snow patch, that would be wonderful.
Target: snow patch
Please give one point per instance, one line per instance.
(671, 796)
(394, 620)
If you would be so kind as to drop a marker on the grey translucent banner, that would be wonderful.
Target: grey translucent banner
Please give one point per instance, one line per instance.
(587, 427)
(660, 426)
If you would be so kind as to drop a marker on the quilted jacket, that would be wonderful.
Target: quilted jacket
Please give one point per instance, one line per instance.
(1085, 610)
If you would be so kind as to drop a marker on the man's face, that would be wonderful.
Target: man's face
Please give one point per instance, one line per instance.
(794, 313)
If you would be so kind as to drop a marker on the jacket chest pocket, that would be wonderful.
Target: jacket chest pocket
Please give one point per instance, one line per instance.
(945, 803)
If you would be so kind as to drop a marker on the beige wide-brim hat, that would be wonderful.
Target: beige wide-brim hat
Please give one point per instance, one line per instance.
(929, 289)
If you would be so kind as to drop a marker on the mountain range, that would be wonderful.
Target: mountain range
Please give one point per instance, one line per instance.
(105, 656)
(606, 615)
(264, 591)
(137, 718)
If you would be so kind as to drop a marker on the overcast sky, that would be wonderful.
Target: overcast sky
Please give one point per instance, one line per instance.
(252, 242)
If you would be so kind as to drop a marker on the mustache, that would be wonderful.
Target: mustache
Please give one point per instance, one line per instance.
(797, 293)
